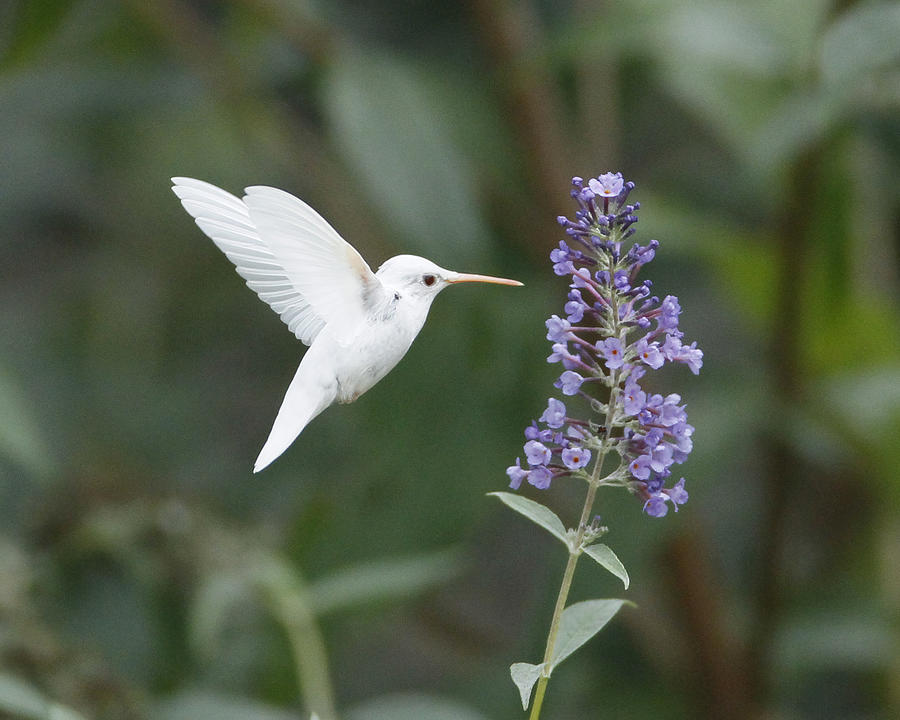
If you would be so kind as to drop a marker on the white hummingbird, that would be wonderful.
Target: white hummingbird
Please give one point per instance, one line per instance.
(358, 324)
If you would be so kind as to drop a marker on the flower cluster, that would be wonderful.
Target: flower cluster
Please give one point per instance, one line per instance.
(613, 330)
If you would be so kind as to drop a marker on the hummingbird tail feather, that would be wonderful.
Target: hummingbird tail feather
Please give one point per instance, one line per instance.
(302, 402)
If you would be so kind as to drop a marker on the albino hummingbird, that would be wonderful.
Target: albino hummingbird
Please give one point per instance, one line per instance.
(358, 324)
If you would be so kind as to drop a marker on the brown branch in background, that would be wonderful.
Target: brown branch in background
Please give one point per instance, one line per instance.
(719, 670)
(510, 35)
(795, 221)
(734, 679)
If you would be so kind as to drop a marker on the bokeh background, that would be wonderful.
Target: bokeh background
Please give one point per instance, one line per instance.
(146, 573)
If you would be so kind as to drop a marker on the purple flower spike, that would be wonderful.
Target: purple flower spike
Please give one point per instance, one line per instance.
(611, 334)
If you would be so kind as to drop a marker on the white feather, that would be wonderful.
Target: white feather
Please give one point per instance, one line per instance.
(288, 254)
(323, 267)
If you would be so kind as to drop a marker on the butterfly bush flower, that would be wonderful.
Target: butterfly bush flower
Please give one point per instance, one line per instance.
(612, 332)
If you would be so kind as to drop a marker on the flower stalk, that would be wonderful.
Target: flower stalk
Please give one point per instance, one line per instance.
(562, 598)
(613, 331)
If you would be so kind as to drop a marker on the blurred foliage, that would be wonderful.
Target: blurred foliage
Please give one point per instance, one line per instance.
(147, 574)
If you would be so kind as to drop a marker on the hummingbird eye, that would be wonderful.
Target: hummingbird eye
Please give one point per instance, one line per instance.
(429, 280)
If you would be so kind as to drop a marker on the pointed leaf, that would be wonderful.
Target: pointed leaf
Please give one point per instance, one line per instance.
(579, 623)
(608, 559)
(397, 140)
(525, 675)
(535, 512)
(383, 580)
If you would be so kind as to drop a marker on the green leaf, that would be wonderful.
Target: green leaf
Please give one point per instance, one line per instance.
(579, 623)
(861, 41)
(525, 675)
(382, 580)
(793, 123)
(604, 555)
(285, 593)
(395, 137)
(535, 512)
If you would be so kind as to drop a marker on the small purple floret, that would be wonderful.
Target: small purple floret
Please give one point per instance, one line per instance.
(612, 351)
(575, 458)
(555, 414)
(516, 474)
(569, 382)
(649, 353)
(540, 477)
(536, 453)
(608, 185)
(557, 329)
(575, 311)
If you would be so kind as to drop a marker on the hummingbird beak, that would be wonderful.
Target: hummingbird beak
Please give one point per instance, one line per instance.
(455, 277)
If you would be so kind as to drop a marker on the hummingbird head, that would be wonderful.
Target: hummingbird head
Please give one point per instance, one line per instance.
(414, 276)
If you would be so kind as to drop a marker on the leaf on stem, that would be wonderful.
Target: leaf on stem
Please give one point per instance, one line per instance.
(525, 675)
(535, 512)
(604, 555)
(579, 623)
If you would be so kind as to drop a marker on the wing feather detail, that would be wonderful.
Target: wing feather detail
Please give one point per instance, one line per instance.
(326, 270)
(288, 255)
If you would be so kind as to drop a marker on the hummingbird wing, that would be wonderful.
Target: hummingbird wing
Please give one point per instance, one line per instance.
(279, 278)
(323, 267)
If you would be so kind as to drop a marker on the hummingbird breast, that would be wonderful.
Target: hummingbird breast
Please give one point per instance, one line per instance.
(382, 342)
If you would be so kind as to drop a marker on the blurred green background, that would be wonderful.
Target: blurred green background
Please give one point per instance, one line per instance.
(145, 573)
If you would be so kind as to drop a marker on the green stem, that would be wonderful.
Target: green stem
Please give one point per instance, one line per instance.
(290, 605)
(575, 551)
